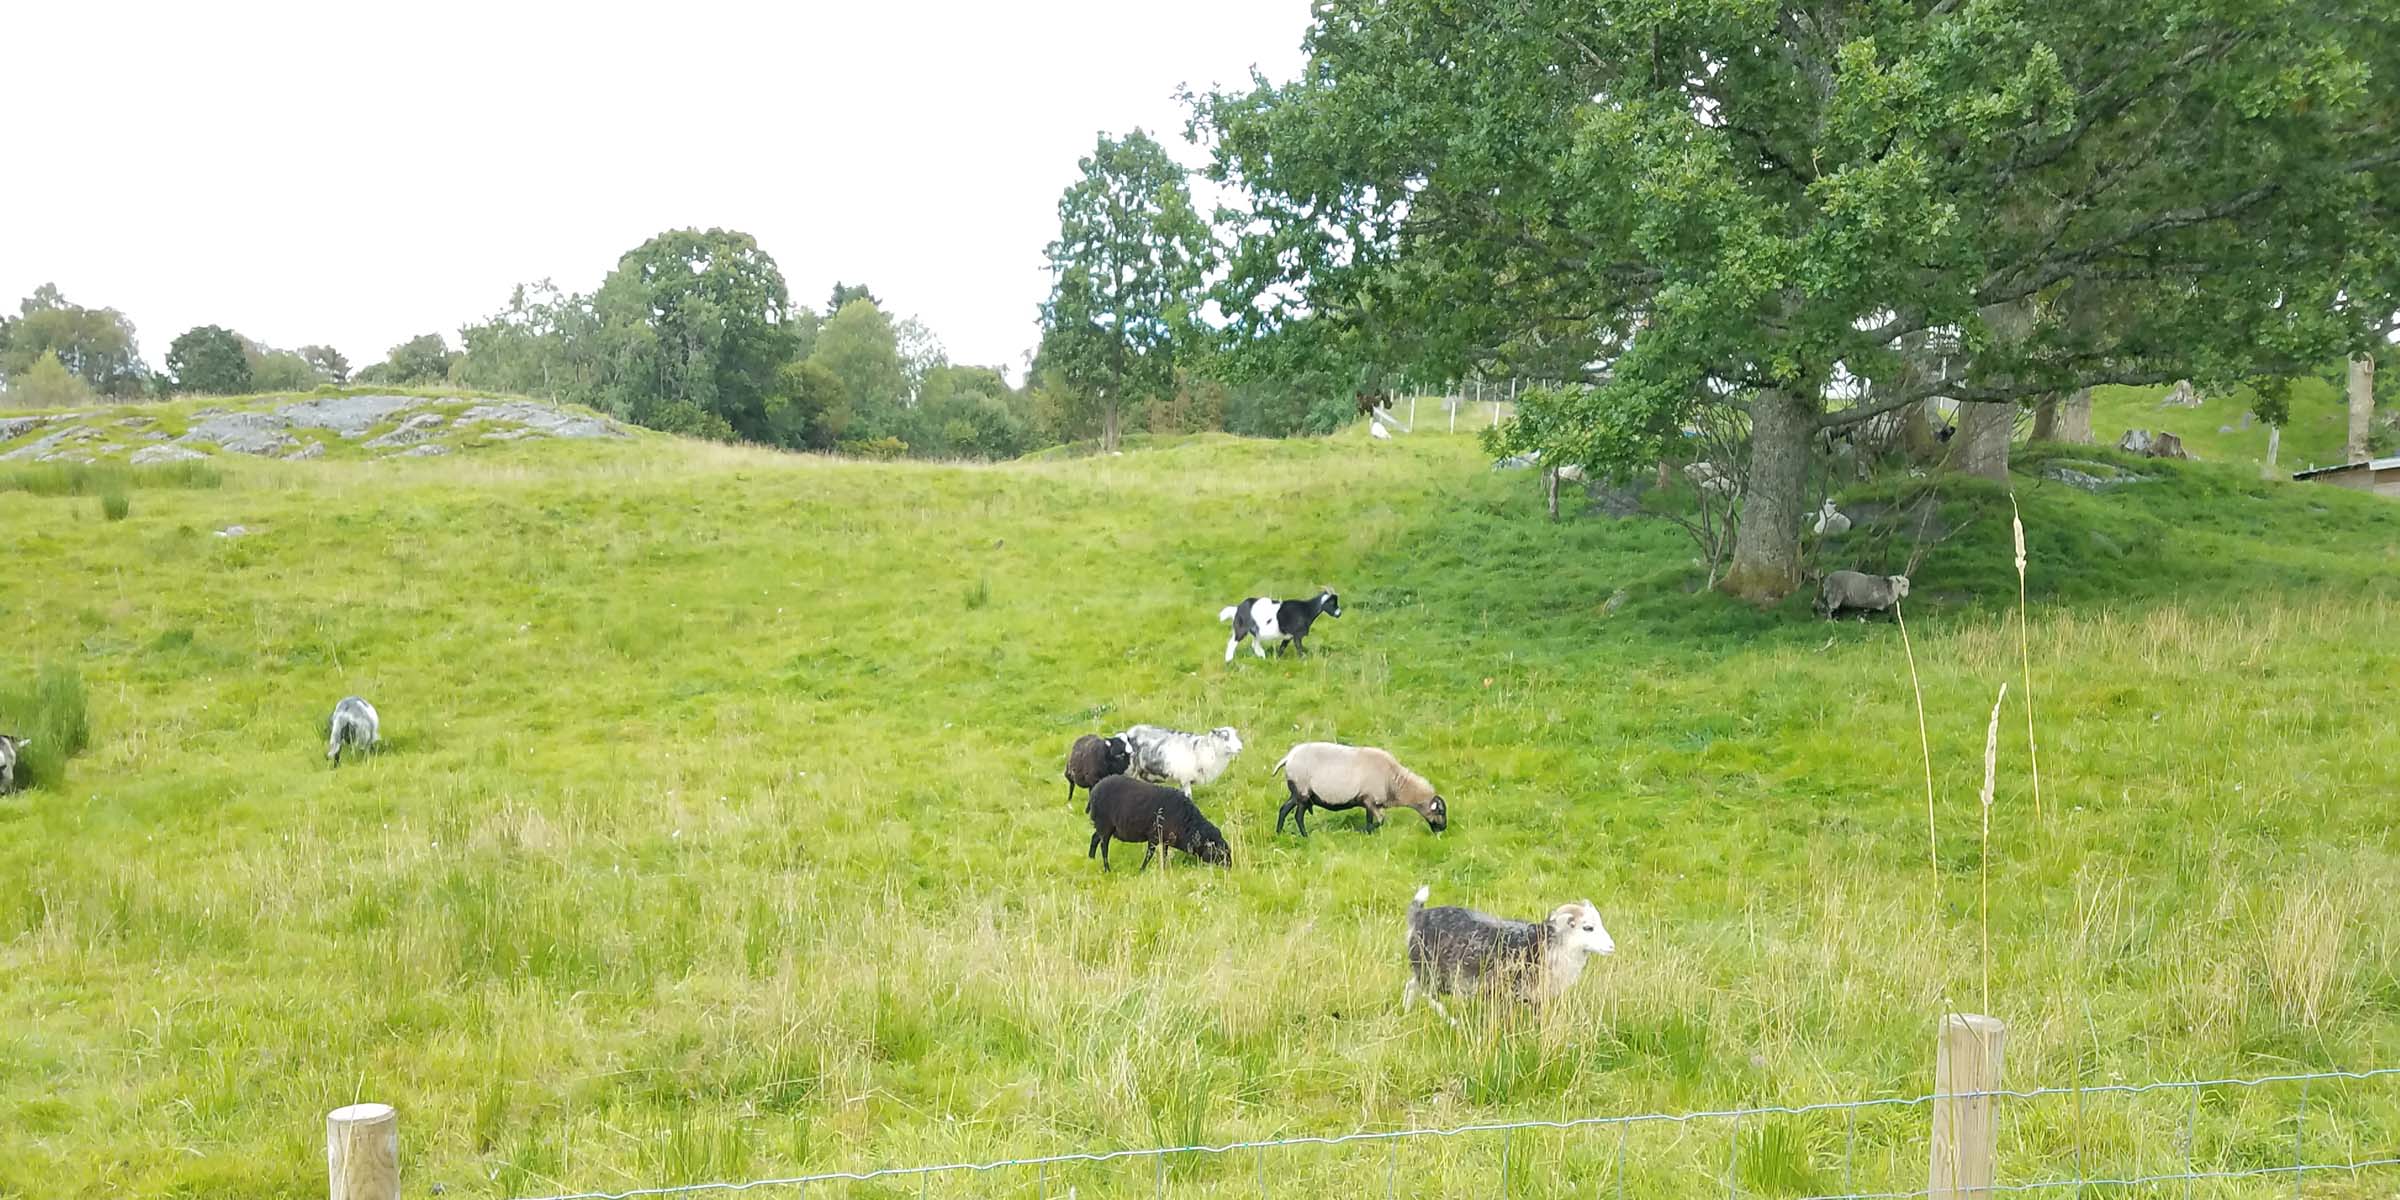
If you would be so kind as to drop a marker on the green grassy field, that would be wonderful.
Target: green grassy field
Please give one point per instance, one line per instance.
(719, 831)
(2219, 431)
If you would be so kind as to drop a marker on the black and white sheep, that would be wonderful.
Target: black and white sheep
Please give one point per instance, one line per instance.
(355, 727)
(1270, 622)
(1186, 760)
(1462, 950)
(1335, 777)
(1126, 809)
(9, 748)
(1094, 758)
(1856, 590)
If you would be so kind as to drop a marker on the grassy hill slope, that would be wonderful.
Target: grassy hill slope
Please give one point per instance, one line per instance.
(720, 832)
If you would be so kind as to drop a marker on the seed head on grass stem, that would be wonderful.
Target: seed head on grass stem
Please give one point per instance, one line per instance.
(2016, 525)
(1991, 759)
(1933, 848)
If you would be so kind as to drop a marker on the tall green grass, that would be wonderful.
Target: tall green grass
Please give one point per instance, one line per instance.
(48, 709)
(720, 831)
(104, 479)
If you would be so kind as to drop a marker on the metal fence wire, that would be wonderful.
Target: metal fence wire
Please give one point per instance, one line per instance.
(2263, 1136)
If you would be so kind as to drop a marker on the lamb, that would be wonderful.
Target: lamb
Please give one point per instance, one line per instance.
(1129, 810)
(1334, 777)
(1460, 949)
(1186, 760)
(1269, 622)
(1830, 520)
(1708, 478)
(1094, 758)
(354, 726)
(9, 748)
(1854, 590)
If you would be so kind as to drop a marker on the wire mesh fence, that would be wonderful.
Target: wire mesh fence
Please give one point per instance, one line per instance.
(2322, 1133)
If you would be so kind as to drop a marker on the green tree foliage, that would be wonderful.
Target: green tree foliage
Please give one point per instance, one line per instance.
(694, 334)
(328, 361)
(424, 358)
(1126, 280)
(970, 412)
(273, 370)
(859, 347)
(844, 293)
(46, 384)
(1688, 199)
(95, 344)
(806, 408)
(209, 359)
(545, 343)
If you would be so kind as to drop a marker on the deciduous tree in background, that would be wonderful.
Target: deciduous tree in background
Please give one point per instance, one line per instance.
(1763, 196)
(694, 331)
(328, 361)
(210, 360)
(46, 384)
(94, 344)
(859, 347)
(1127, 273)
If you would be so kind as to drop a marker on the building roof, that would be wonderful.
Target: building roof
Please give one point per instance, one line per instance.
(2372, 464)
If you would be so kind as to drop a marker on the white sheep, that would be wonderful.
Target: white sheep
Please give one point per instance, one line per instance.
(1335, 777)
(1857, 590)
(1831, 520)
(1185, 760)
(356, 726)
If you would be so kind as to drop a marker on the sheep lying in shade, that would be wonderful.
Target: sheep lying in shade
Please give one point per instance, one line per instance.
(1462, 950)
(1708, 478)
(9, 747)
(1094, 758)
(1125, 809)
(1186, 760)
(355, 727)
(1334, 777)
(1864, 593)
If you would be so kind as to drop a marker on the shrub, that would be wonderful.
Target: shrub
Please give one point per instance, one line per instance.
(882, 448)
(50, 713)
(115, 506)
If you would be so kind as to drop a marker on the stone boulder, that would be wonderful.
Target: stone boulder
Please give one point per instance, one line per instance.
(153, 455)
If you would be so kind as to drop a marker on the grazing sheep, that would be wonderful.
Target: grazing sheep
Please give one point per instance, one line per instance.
(1831, 520)
(1334, 777)
(1708, 478)
(1461, 950)
(1854, 590)
(1128, 810)
(9, 747)
(1094, 758)
(1186, 760)
(1376, 430)
(1269, 622)
(355, 726)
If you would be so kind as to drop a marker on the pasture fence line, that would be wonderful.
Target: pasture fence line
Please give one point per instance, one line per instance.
(1961, 1155)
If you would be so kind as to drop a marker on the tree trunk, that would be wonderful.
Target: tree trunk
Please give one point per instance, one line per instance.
(1980, 448)
(2066, 419)
(1109, 421)
(2274, 444)
(1920, 433)
(2362, 406)
(1766, 543)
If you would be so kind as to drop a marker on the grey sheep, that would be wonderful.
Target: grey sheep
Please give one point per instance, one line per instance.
(9, 747)
(1335, 777)
(1126, 809)
(1462, 950)
(1094, 758)
(355, 727)
(1865, 593)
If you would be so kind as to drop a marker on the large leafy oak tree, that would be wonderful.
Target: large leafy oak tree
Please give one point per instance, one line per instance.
(1740, 201)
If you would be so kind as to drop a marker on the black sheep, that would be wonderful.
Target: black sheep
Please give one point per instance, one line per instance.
(1093, 759)
(1129, 810)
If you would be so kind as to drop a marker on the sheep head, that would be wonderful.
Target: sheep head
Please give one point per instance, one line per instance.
(1437, 814)
(1225, 736)
(1899, 587)
(1576, 929)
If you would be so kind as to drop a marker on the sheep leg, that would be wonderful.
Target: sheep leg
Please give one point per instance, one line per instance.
(1099, 846)
(1230, 644)
(1436, 1002)
(1256, 648)
(1148, 854)
(1070, 791)
(1408, 995)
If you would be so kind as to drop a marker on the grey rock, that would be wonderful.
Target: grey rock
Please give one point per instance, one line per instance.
(52, 446)
(233, 531)
(67, 456)
(242, 432)
(428, 450)
(346, 416)
(2090, 476)
(149, 455)
(419, 428)
(549, 421)
(12, 428)
(311, 450)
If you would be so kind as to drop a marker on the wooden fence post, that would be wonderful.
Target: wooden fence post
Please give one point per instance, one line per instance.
(1966, 1062)
(362, 1152)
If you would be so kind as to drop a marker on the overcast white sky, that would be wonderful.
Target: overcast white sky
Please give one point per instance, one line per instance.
(358, 174)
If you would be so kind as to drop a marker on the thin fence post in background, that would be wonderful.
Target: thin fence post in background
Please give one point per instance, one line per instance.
(362, 1152)
(1966, 1071)
(2299, 1140)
